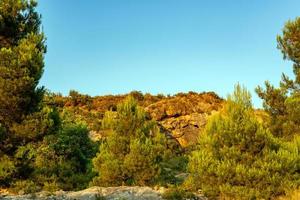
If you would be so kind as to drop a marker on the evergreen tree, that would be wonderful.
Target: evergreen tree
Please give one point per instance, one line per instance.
(37, 150)
(237, 158)
(133, 149)
(22, 51)
(24, 121)
(283, 103)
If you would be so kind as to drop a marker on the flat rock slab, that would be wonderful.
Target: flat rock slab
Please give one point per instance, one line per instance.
(94, 193)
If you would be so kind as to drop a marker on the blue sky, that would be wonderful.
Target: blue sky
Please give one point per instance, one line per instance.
(163, 46)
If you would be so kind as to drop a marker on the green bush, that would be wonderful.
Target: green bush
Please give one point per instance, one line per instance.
(24, 187)
(237, 158)
(7, 169)
(65, 158)
(173, 170)
(176, 193)
(51, 186)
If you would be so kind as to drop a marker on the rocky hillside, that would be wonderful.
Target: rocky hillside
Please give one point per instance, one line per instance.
(182, 115)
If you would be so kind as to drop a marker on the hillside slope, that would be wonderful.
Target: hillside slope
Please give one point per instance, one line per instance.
(182, 115)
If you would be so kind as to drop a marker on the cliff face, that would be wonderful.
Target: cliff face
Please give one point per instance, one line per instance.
(183, 115)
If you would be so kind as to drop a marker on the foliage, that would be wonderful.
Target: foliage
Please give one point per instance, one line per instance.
(7, 168)
(78, 99)
(63, 160)
(173, 170)
(289, 45)
(30, 135)
(282, 104)
(58, 158)
(293, 195)
(51, 186)
(36, 125)
(36, 149)
(24, 187)
(21, 59)
(22, 51)
(133, 150)
(73, 142)
(177, 193)
(238, 158)
(44, 144)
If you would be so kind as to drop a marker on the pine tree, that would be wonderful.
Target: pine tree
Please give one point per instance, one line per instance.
(238, 158)
(283, 103)
(23, 120)
(22, 48)
(133, 149)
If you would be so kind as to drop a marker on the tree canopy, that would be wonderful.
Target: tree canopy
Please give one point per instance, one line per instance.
(238, 158)
(282, 103)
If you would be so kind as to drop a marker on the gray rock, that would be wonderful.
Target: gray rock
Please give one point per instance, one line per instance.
(96, 193)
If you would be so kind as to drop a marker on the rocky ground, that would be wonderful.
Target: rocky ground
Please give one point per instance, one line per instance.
(97, 193)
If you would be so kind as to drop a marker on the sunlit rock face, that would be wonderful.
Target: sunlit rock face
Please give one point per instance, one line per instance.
(185, 115)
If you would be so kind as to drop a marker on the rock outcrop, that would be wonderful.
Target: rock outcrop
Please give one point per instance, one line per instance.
(98, 193)
(185, 115)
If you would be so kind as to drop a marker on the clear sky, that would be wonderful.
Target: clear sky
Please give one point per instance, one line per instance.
(163, 46)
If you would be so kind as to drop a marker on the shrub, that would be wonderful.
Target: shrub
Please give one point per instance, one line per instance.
(64, 159)
(176, 193)
(24, 187)
(51, 186)
(7, 169)
(173, 171)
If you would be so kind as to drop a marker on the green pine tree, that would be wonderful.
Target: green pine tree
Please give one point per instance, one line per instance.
(238, 158)
(133, 149)
(22, 48)
(24, 121)
(283, 103)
